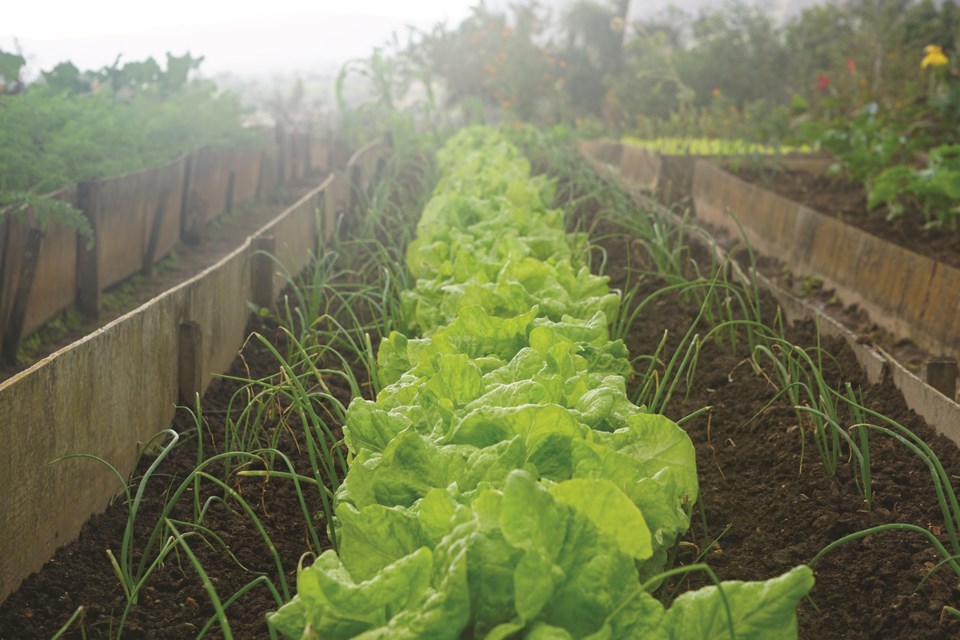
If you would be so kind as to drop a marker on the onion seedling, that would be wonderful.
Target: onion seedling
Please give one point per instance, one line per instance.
(77, 618)
(130, 573)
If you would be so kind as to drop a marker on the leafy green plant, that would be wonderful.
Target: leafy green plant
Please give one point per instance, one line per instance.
(936, 189)
(867, 145)
(533, 552)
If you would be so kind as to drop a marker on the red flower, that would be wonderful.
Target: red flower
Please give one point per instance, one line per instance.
(851, 65)
(823, 82)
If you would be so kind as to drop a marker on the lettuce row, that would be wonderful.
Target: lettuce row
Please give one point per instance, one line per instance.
(503, 485)
(487, 238)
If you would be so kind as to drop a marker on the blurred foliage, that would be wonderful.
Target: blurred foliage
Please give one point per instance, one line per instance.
(124, 80)
(866, 144)
(935, 189)
(728, 70)
(72, 126)
(848, 78)
(396, 98)
(737, 51)
(495, 61)
(10, 66)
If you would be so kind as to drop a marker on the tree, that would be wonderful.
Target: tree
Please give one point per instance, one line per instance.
(10, 66)
(66, 78)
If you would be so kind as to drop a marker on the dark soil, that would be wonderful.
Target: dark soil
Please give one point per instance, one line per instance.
(173, 604)
(848, 200)
(812, 291)
(768, 505)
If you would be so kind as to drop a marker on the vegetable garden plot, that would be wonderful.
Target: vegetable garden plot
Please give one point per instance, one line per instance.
(769, 502)
(172, 602)
(548, 441)
(250, 416)
(906, 293)
(502, 474)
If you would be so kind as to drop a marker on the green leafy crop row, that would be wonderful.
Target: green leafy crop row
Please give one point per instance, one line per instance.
(52, 139)
(710, 147)
(503, 485)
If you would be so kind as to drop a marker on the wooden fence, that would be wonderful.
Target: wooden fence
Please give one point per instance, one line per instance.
(136, 219)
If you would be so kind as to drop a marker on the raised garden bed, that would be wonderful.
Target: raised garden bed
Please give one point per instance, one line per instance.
(833, 195)
(173, 603)
(220, 238)
(906, 293)
(768, 505)
(908, 298)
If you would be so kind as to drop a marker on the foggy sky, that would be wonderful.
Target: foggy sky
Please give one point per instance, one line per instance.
(242, 37)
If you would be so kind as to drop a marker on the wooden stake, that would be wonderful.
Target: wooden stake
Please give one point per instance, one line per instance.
(18, 311)
(356, 176)
(264, 272)
(281, 154)
(260, 178)
(88, 275)
(4, 267)
(942, 376)
(231, 181)
(190, 363)
(320, 218)
(159, 214)
(308, 152)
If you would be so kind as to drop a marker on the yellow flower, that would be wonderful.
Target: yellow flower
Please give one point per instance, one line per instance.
(933, 57)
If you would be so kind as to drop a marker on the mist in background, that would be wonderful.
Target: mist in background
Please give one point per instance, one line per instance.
(248, 39)
(245, 39)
